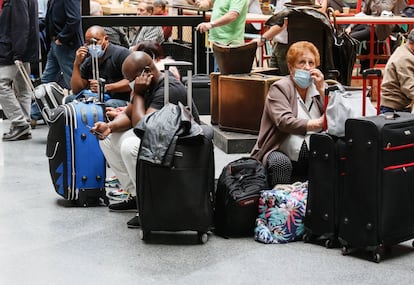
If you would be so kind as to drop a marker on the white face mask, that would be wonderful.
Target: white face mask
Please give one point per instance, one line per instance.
(302, 78)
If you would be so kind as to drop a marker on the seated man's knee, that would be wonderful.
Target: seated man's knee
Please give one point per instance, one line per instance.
(130, 147)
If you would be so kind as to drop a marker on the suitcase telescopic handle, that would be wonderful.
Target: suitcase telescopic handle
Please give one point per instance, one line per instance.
(24, 74)
(189, 81)
(371, 72)
(328, 90)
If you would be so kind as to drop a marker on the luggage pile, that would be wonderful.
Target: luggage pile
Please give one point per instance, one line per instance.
(360, 194)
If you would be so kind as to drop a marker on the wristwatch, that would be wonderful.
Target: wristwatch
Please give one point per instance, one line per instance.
(262, 39)
(212, 24)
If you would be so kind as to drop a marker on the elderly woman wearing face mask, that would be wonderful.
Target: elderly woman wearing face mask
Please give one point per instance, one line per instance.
(293, 110)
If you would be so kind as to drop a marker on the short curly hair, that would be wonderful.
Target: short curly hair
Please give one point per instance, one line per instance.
(296, 50)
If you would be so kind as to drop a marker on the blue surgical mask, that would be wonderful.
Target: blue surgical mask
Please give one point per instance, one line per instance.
(95, 50)
(302, 78)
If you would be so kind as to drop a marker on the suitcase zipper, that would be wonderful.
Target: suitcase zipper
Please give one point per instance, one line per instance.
(389, 147)
(400, 166)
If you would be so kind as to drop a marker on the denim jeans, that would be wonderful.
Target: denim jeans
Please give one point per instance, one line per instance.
(15, 95)
(59, 59)
(384, 109)
(109, 102)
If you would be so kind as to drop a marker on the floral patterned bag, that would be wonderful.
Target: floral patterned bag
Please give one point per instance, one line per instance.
(281, 212)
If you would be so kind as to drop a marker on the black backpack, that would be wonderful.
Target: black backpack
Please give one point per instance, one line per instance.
(237, 196)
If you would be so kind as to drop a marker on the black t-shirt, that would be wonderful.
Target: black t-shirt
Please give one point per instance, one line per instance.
(110, 68)
(178, 93)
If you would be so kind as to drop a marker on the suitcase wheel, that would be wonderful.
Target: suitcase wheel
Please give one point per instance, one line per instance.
(345, 250)
(202, 237)
(306, 237)
(329, 243)
(376, 257)
(143, 234)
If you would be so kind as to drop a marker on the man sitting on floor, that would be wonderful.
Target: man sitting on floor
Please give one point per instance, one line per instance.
(118, 142)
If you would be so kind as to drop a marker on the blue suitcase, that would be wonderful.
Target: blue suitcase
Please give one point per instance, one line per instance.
(76, 163)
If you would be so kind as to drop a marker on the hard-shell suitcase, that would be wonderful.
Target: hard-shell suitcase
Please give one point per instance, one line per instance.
(47, 96)
(178, 197)
(241, 101)
(76, 162)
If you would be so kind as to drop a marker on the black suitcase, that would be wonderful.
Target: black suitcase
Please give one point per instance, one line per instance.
(201, 93)
(377, 201)
(326, 177)
(178, 197)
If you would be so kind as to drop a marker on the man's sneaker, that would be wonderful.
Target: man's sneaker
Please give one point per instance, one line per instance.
(27, 136)
(16, 132)
(129, 205)
(112, 182)
(119, 195)
(134, 223)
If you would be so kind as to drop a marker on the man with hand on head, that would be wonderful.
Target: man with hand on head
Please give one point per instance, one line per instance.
(118, 142)
(110, 60)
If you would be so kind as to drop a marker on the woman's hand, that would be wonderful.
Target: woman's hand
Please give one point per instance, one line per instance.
(316, 124)
(318, 80)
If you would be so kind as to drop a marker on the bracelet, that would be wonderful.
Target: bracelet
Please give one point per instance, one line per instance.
(212, 24)
(263, 39)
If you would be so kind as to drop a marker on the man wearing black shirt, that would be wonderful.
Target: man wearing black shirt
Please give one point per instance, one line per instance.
(110, 59)
(118, 142)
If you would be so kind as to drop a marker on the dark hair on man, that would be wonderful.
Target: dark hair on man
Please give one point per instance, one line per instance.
(152, 48)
